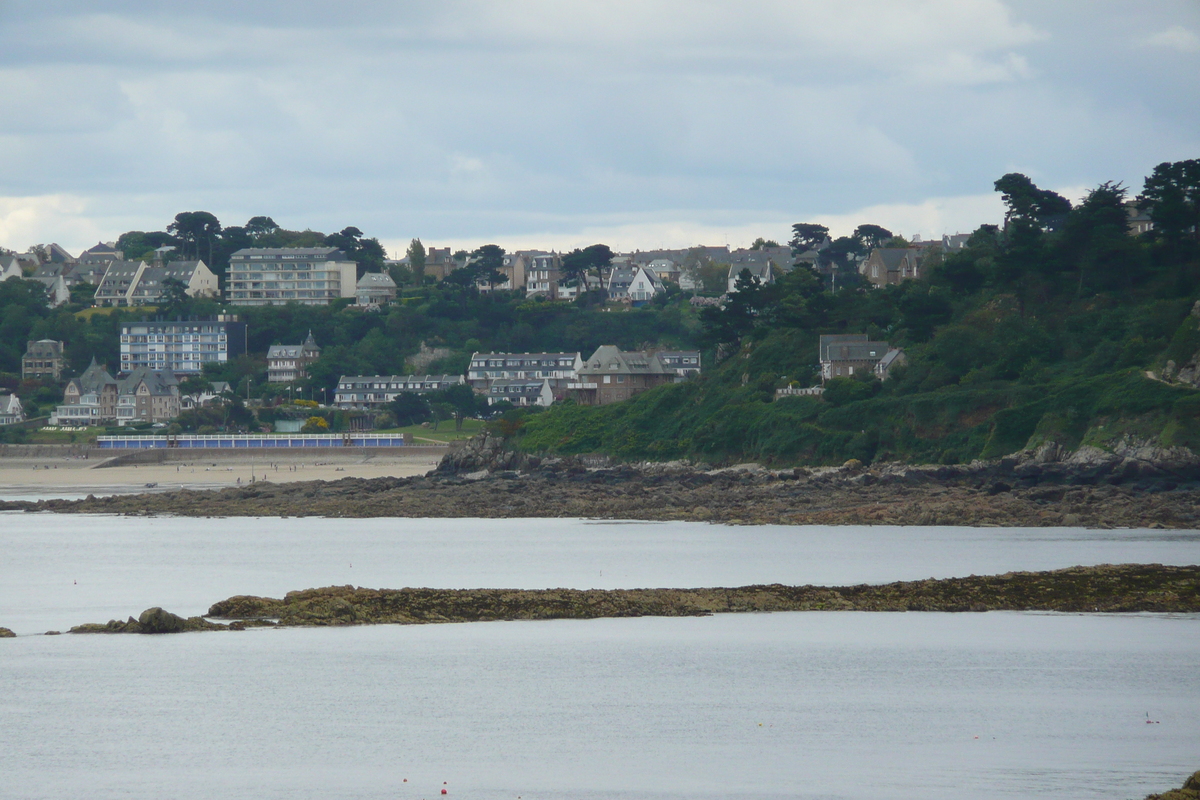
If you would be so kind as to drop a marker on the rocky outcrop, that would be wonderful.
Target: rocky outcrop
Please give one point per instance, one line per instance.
(1107, 588)
(484, 453)
(1005, 493)
(1129, 461)
(5, 633)
(152, 620)
(1189, 791)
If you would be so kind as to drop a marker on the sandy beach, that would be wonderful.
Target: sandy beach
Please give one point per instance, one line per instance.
(37, 478)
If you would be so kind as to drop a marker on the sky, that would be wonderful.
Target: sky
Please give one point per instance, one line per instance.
(548, 124)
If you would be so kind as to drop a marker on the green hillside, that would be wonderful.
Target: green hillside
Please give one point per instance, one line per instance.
(1044, 330)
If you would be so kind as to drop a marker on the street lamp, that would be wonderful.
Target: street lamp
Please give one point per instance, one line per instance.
(322, 395)
(248, 382)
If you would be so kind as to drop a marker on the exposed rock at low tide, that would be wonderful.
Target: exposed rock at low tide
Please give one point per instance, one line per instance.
(5, 633)
(1005, 493)
(1106, 588)
(152, 620)
(1190, 790)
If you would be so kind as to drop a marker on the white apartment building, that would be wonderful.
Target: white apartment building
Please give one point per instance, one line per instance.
(182, 346)
(311, 276)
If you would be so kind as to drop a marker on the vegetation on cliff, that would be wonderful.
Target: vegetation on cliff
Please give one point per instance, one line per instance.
(1043, 331)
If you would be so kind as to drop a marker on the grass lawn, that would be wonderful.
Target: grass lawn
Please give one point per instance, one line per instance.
(444, 433)
(88, 313)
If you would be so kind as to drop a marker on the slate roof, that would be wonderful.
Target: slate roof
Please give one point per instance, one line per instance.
(159, 383)
(608, 359)
(44, 348)
(94, 379)
(376, 280)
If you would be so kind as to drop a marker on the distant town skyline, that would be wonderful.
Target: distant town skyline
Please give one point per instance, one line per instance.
(642, 125)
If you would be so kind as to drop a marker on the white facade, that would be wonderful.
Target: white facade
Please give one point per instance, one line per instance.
(181, 346)
(373, 391)
(313, 276)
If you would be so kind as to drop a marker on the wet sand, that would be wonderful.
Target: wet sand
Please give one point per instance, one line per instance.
(34, 478)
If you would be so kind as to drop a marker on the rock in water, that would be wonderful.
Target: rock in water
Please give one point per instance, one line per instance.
(5, 633)
(155, 620)
(1190, 790)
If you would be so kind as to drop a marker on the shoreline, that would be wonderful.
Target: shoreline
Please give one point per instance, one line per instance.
(738, 496)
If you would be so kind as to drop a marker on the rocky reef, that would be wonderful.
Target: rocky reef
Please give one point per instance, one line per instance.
(1189, 791)
(1105, 588)
(1100, 494)
(152, 620)
(5, 633)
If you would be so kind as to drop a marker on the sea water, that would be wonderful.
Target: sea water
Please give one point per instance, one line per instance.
(810, 705)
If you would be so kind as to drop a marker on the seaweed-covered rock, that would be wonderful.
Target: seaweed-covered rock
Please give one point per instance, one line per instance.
(152, 620)
(1190, 790)
(155, 620)
(5, 633)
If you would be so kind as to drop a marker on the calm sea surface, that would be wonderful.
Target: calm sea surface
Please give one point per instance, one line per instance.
(816, 705)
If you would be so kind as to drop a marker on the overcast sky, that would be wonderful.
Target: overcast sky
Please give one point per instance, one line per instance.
(555, 123)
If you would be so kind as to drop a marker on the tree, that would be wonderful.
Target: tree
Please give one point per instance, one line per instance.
(871, 236)
(174, 297)
(760, 243)
(486, 263)
(416, 260)
(409, 408)
(439, 412)
(1096, 239)
(193, 229)
(807, 236)
(837, 254)
(1030, 205)
(1172, 195)
(578, 264)
(137, 245)
(259, 227)
(367, 253)
(461, 400)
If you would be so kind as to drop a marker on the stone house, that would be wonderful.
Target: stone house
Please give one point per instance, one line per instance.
(289, 362)
(848, 354)
(888, 266)
(90, 399)
(543, 276)
(439, 262)
(42, 359)
(148, 396)
(375, 289)
(611, 375)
